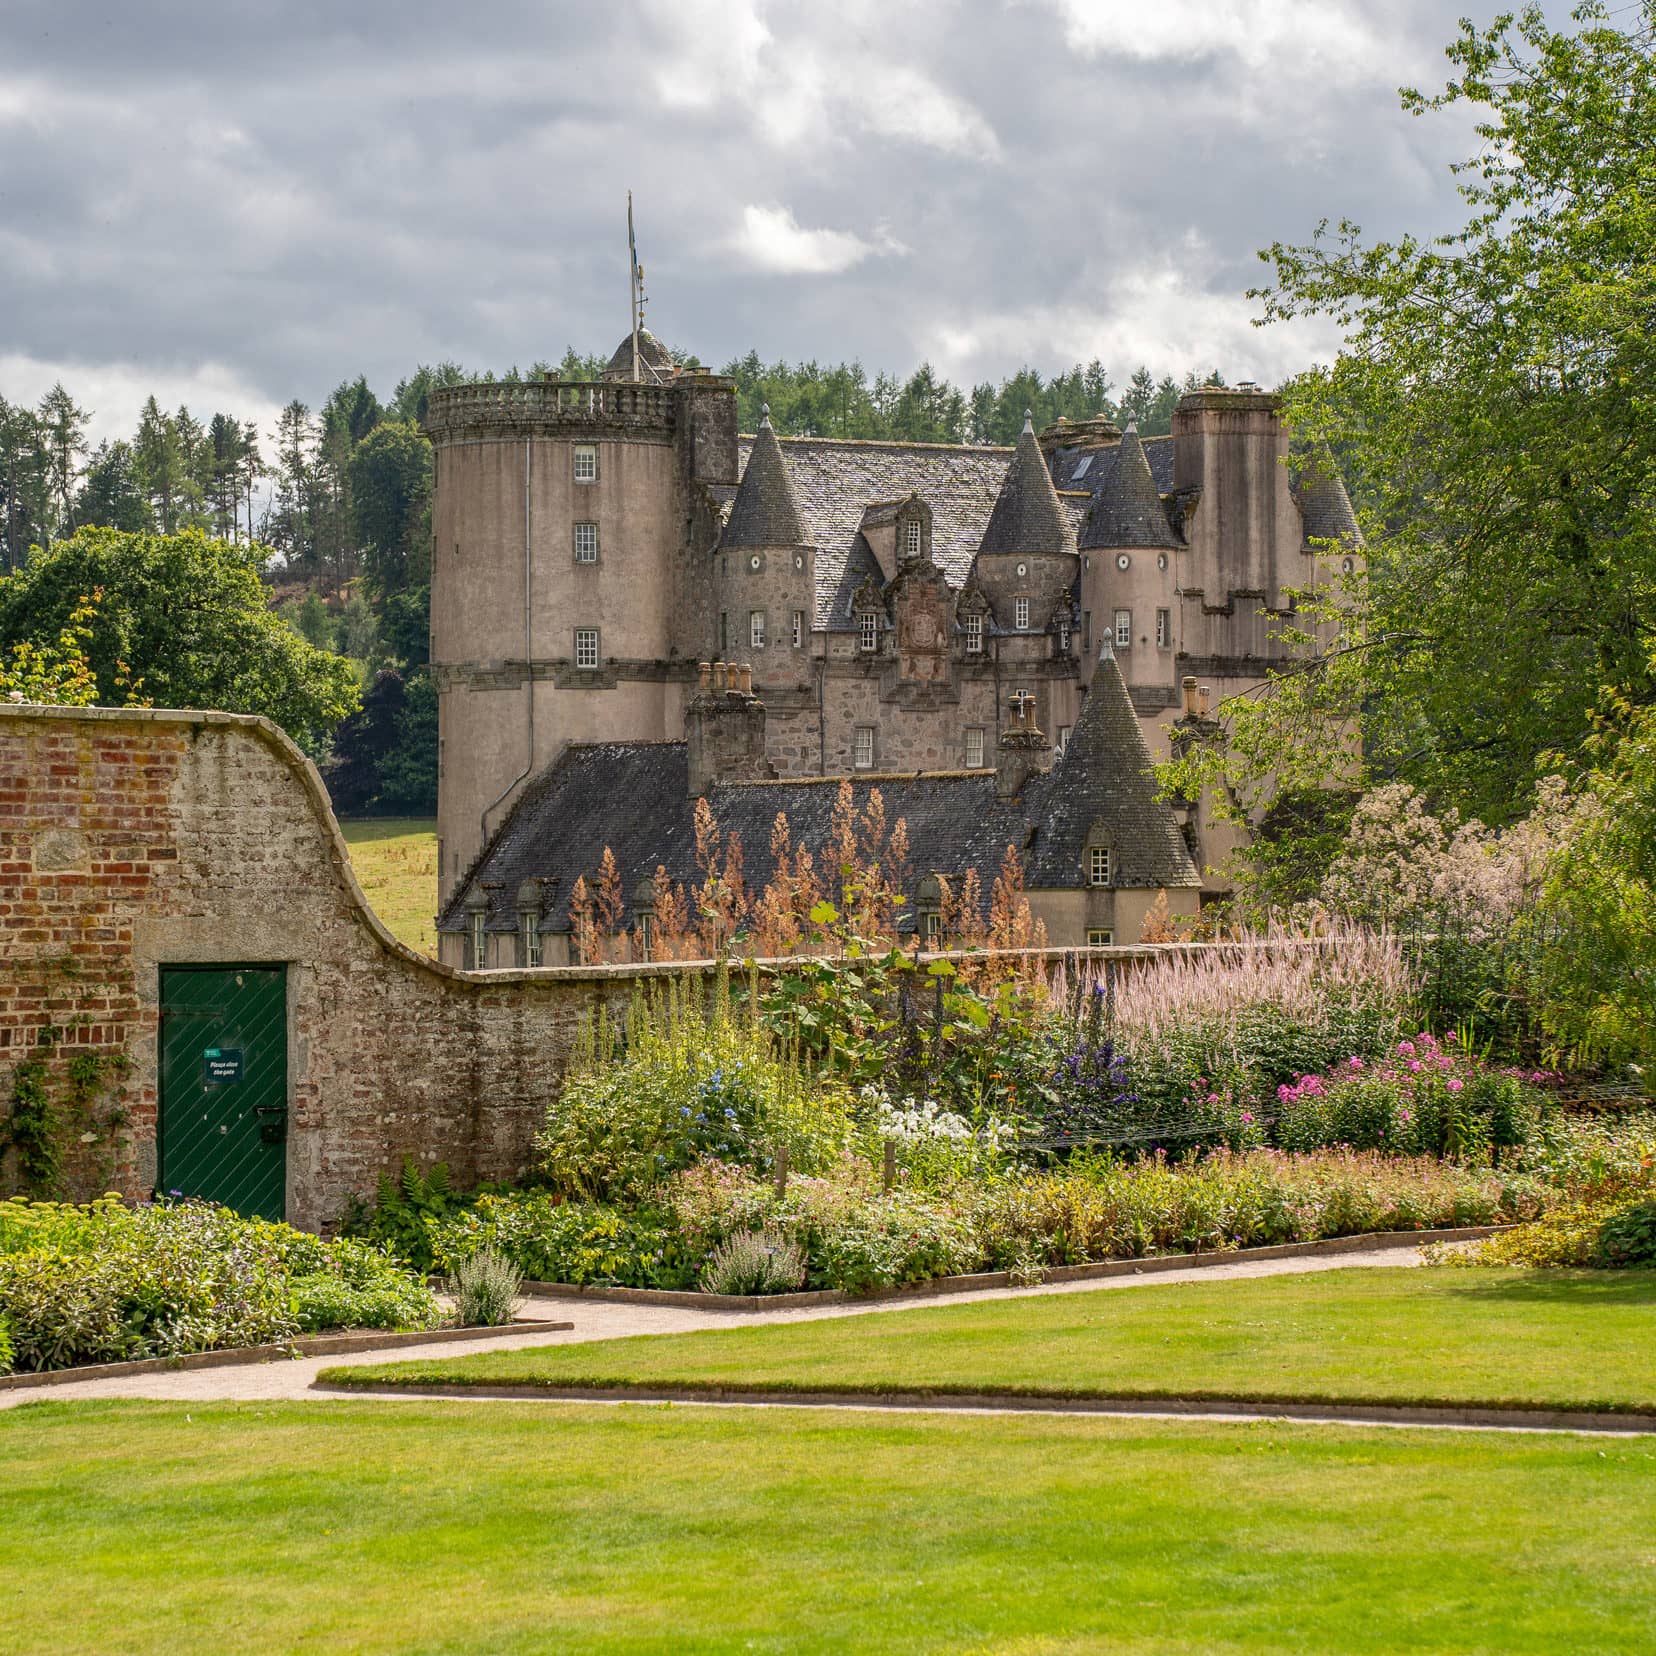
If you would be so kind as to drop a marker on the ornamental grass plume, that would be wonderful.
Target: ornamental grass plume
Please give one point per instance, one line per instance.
(1305, 973)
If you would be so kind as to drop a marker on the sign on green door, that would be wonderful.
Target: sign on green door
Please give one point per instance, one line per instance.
(223, 1127)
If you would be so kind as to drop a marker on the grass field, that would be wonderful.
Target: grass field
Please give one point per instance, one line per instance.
(440, 1527)
(1565, 1338)
(395, 859)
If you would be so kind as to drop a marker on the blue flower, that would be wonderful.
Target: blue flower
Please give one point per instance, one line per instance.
(685, 1110)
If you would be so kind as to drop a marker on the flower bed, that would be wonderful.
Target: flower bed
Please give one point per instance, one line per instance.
(105, 1283)
(855, 1236)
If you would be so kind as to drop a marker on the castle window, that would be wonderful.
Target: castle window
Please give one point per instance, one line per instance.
(1164, 629)
(1020, 614)
(528, 915)
(1098, 865)
(1086, 631)
(1062, 742)
(862, 748)
(799, 629)
(586, 543)
(586, 647)
(586, 462)
(868, 631)
(911, 538)
(974, 748)
(1064, 636)
(724, 632)
(756, 629)
(1124, 629)
(1099, 937)
(974, 635)
(477, 930)
(931, 925)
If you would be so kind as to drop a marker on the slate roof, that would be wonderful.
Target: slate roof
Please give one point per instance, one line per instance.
(1028, 516)
(1324, 504)
(763, 512)
(1127, 508)
(633, 798)
(1106, 776)
(835, 480)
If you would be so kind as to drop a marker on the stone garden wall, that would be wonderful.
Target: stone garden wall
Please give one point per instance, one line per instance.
(135, 839)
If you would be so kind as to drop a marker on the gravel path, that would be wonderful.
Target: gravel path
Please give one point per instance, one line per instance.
(597, 1320)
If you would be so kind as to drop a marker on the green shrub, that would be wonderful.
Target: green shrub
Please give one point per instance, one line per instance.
(404, 1210)
(485, 1288)
(325, 1301)
(552, 1240)
(754, 1262)
(102, 1282)
(1425, 1097)
(1628, 1236)
(686, 1083)
(5, 1347)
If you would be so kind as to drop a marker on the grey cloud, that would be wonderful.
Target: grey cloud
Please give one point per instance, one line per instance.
(299, 192)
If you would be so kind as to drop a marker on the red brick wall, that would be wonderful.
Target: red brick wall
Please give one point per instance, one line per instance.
(130, 840)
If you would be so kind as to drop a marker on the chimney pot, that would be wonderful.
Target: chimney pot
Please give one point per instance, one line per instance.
(1190, 704)
(746, 686)
(1207, 699)
(719, 671)
(704, 675)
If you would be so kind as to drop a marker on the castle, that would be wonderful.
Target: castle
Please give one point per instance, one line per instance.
(1001, 640)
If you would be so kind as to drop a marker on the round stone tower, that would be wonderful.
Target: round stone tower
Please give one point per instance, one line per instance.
(566, 521)
(765, 572)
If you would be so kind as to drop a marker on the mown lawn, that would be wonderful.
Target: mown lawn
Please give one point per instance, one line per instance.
(445, 1527)
(1583, 1339)
(395, 859)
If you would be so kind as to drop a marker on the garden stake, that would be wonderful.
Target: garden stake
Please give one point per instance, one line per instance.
(781, 1171)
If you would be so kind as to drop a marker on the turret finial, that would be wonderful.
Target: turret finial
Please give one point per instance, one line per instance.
(764, 414)
(1029, 422)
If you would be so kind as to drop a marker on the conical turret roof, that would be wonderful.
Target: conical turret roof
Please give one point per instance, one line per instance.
(1128, 510)
(1324, 505)
(764, 512)
(1028, 516)
(1106, 778)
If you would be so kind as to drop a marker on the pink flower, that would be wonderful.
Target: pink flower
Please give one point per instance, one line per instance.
(1414, 1065)
(1407, 1048)
(1455, 1086)
(1356, 1063)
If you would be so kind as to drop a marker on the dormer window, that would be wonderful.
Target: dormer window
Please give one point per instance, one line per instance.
(974, 634)
(911, 538)
(477, 930)
(1099, 865)
(868, 632)
(529, 915)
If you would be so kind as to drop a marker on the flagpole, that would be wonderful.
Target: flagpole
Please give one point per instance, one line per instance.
(632, 278)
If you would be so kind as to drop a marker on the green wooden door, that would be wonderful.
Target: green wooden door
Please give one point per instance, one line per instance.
(223, 1127)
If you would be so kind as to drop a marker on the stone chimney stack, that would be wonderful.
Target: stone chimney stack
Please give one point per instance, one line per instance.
(724, 727)
(1024, 750)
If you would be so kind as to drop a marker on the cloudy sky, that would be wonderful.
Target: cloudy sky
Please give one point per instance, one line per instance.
(238, 203)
